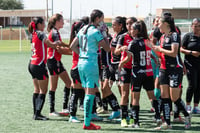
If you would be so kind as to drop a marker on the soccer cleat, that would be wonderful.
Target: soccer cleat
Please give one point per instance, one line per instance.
(187, 122)
(135, 125)
(40, 117)
(92, 126)
(56, 114)
(74, 119)
(188, 108)
(196, 110)
(179, 119)
(114, 114)
(131, 121)
(65, 112)
(124, 123)
(158, 122)
(100, 110)
(164, 126)
(95, 117)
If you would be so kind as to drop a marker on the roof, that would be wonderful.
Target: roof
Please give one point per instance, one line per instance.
(22, 13)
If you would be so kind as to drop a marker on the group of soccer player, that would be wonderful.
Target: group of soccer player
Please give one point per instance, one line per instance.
(130, 57)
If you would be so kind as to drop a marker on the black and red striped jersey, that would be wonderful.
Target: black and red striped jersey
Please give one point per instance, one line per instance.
(54, 35)
(39, 48)
(141, 54)
(166, 43)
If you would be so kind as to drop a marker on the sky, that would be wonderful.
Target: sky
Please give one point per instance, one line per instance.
(109, 7)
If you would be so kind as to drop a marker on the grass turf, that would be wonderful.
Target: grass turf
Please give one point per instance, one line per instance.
(16, 100)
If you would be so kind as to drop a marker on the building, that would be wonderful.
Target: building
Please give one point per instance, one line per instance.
(182, 16)
(19, 17)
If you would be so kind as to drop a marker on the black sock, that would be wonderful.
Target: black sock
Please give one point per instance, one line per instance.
(52, 101)
(124, 111)
(94, 107)
(112, 100)
(181, 106)
(105, 103)
(131, 105)
(166, 109)
(135, 113)
(66, 97)
(81, 96)
(73, 102)
(35, 95)
(157, 110)
(98, 99)
(176, 111)
(40, 103)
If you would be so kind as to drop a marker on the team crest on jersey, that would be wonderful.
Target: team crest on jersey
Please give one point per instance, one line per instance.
(167, 40)
(128, 41)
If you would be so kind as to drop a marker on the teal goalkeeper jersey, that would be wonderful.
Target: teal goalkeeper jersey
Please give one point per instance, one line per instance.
(88, 43)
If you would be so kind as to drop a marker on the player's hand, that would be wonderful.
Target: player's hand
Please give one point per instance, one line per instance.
(124, 48)
(156, 48)
(103, 29)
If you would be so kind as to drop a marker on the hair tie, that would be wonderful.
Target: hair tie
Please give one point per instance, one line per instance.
(33, 25)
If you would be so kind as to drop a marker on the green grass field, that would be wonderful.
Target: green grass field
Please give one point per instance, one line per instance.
(16, 100)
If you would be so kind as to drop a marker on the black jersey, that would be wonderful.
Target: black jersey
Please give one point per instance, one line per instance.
(191, 42)
(168, 61)
(115, 59)
(106, 56)
(157, 34)
(141, 57)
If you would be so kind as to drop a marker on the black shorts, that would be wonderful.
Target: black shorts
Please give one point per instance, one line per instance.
(38, 71)
(147, 82)
(114, 72)
(55, 67)
(106, 73)
(125, 76)
(171, 77)
(75, 76)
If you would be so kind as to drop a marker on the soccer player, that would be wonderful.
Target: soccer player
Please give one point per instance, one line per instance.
(171, 70)
(110, 71)
(86, 45)
(56, 67)
(77, 90)
(142, 73)
(191, 49)
(125, 72)
(37, 65)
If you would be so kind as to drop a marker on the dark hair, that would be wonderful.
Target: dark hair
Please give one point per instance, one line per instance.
(95, 14)
(85, 20)
(195, 19)
(52, 21)
(122, 21)
(167, 17)
(142, 29)
(134, 19)
(33, 25)
(76, 26)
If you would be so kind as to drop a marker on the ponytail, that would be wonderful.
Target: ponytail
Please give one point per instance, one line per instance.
(32, 27)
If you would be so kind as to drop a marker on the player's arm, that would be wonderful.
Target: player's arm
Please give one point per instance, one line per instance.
(105, 44)
(51, 44)
(64, 50)
(74, 45)
(125, 60)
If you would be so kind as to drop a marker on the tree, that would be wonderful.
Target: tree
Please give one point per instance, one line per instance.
(11, 4)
